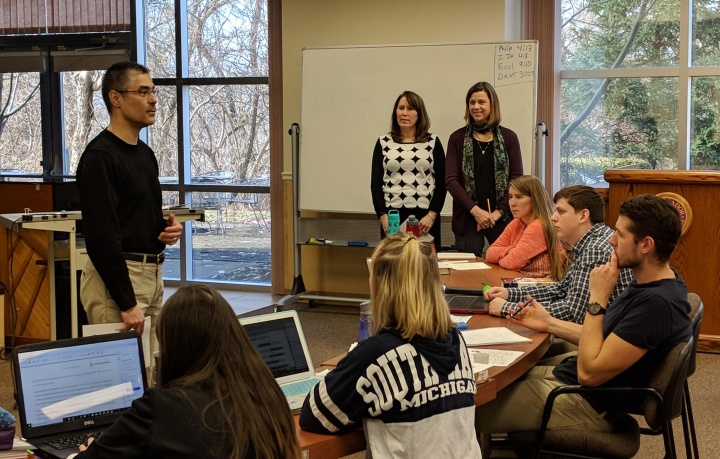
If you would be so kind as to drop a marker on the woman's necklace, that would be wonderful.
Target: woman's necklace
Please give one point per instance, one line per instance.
(480, 145)
(487, 141)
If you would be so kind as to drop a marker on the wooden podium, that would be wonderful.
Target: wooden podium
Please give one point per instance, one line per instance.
(697, 256)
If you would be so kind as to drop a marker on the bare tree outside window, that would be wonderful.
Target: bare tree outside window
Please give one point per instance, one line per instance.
(226, 105)
(20, 136)
(84, 113)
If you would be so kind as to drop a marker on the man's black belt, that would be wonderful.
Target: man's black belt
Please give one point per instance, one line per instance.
(145, 257)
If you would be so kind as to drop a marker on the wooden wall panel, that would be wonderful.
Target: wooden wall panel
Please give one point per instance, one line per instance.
(29, 285)
(697, 257)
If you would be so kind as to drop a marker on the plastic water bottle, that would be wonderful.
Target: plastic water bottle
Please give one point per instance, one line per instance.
(486, 286)
(365, 324)
(393, 222)
(413, 226)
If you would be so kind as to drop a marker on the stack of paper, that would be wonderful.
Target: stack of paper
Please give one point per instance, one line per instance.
(456, 256)
(492, 335)
(469, 266)
(494, 357)
(104, 329)
(19, 450)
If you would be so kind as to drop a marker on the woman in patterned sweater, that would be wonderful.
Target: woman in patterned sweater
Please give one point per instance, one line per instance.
(529, 243)
(408, 168)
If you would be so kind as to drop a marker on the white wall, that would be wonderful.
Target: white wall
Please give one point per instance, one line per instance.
(314, 23)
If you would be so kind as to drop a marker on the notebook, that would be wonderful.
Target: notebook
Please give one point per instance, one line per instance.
(75, 388)
(466, 300)
(280, 341)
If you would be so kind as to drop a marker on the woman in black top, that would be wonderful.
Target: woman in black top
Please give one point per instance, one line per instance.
(217, 398)
(408, 168)
(483, 157)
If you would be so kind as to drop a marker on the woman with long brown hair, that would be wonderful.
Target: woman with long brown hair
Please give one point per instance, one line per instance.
(216, 397)
(529, 243)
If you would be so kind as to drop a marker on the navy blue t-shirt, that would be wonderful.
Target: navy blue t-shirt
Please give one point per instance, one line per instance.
(652, 316)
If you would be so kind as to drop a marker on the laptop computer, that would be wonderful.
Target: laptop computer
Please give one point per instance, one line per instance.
(70, 389)
(280, 341)
(466, 300)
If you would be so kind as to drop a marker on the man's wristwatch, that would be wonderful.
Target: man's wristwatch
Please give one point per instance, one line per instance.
(595, 309)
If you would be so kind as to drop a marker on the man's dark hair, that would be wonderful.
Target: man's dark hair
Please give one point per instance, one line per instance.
(583, 197)
(654, 217)
(116, 78)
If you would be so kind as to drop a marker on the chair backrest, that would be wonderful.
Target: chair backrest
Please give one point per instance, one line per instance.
(668, 380)
(696, 314)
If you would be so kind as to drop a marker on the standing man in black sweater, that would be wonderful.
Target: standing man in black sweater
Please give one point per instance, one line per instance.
(121, 202)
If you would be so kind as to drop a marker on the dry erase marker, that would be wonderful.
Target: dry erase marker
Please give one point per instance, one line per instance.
(520, 308)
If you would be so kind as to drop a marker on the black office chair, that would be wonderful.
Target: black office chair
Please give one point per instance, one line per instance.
(691, 443)
(663, 403)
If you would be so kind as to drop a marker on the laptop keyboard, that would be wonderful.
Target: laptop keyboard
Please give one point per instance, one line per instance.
(72, 440)
(463, 301)
(300, 387)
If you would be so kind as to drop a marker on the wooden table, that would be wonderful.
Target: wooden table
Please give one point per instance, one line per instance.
(333, 446)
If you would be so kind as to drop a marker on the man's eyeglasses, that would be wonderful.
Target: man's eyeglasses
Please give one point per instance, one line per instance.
(144, 93)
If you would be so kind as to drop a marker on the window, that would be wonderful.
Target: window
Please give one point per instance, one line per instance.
(209, 61)
(639, 86)
(20, 127)
(212, 134)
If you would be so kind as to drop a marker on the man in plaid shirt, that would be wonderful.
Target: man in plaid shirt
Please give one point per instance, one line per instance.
(578, 220)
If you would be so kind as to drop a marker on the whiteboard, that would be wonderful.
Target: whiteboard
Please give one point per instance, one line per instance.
(348, 95)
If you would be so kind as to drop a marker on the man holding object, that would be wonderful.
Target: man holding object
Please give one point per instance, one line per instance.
(121, 202)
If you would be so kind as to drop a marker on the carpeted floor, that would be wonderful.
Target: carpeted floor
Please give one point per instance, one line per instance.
(331, 329)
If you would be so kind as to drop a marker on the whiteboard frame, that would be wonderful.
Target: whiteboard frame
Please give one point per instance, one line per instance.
(324, 175)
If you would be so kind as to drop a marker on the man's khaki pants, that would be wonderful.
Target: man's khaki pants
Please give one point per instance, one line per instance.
(147, 282)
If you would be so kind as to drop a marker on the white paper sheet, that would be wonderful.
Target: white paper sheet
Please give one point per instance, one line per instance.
(458, 319)
(455, 256)
(469, 266)
(495, 357)
(105, 329)
(450, 263)
(492, 335)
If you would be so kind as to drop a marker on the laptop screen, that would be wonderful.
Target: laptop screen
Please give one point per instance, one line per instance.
(279, 344)
(69, 384)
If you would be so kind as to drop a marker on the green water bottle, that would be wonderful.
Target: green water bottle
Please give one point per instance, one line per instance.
(486, 286)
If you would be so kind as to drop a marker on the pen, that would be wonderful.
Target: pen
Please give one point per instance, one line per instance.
(520, 308)
(488, 202)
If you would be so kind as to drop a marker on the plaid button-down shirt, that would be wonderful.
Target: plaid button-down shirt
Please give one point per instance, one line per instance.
(567, 299)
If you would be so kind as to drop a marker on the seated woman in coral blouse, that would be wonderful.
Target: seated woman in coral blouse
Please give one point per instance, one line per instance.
(529, 244)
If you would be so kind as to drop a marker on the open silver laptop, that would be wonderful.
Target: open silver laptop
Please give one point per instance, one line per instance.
(280, 341)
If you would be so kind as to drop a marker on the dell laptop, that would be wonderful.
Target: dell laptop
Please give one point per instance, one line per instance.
(71, 389)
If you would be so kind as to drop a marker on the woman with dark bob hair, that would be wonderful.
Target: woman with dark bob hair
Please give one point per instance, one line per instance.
(483, 157)
(216, 397)
(408, 168)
